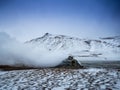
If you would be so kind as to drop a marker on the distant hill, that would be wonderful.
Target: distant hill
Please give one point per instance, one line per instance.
(107, 48)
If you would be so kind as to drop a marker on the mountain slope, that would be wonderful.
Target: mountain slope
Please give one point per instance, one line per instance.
(80, 47)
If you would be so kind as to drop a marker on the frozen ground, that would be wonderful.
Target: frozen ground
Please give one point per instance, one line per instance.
(60, 79)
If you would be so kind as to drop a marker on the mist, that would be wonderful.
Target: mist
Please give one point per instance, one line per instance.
(13, 52)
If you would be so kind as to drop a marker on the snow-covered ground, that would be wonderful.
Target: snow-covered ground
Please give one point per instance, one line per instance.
(60, 79)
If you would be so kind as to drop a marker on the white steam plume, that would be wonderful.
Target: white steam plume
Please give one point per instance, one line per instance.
(13, 52)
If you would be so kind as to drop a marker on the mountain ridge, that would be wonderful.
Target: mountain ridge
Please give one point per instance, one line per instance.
(82, 47)
(87, 41)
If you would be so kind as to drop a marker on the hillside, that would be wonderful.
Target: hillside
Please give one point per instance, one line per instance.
(85, 49)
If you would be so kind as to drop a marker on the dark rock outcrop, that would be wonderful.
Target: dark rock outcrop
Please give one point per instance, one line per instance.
(70, 62)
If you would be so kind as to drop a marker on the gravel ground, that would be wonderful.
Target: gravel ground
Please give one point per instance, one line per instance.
(60, 79)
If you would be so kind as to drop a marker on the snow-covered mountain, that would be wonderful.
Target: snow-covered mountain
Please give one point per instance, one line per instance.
(102, 48)
(112, 40)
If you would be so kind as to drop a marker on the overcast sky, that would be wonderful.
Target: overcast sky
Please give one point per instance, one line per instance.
(27, 19)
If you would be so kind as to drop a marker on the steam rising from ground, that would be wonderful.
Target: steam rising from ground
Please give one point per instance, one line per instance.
(13, 52)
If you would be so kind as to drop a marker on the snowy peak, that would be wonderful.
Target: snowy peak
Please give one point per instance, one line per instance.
(48, 35)
(62, 42)
(82, 48)
(112, 40)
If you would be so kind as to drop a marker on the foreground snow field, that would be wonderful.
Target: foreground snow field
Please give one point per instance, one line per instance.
(60, 79)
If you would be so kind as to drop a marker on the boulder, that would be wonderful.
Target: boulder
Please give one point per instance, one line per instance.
(70, 62)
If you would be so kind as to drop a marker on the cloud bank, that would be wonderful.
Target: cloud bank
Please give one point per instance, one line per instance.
(13, 52)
